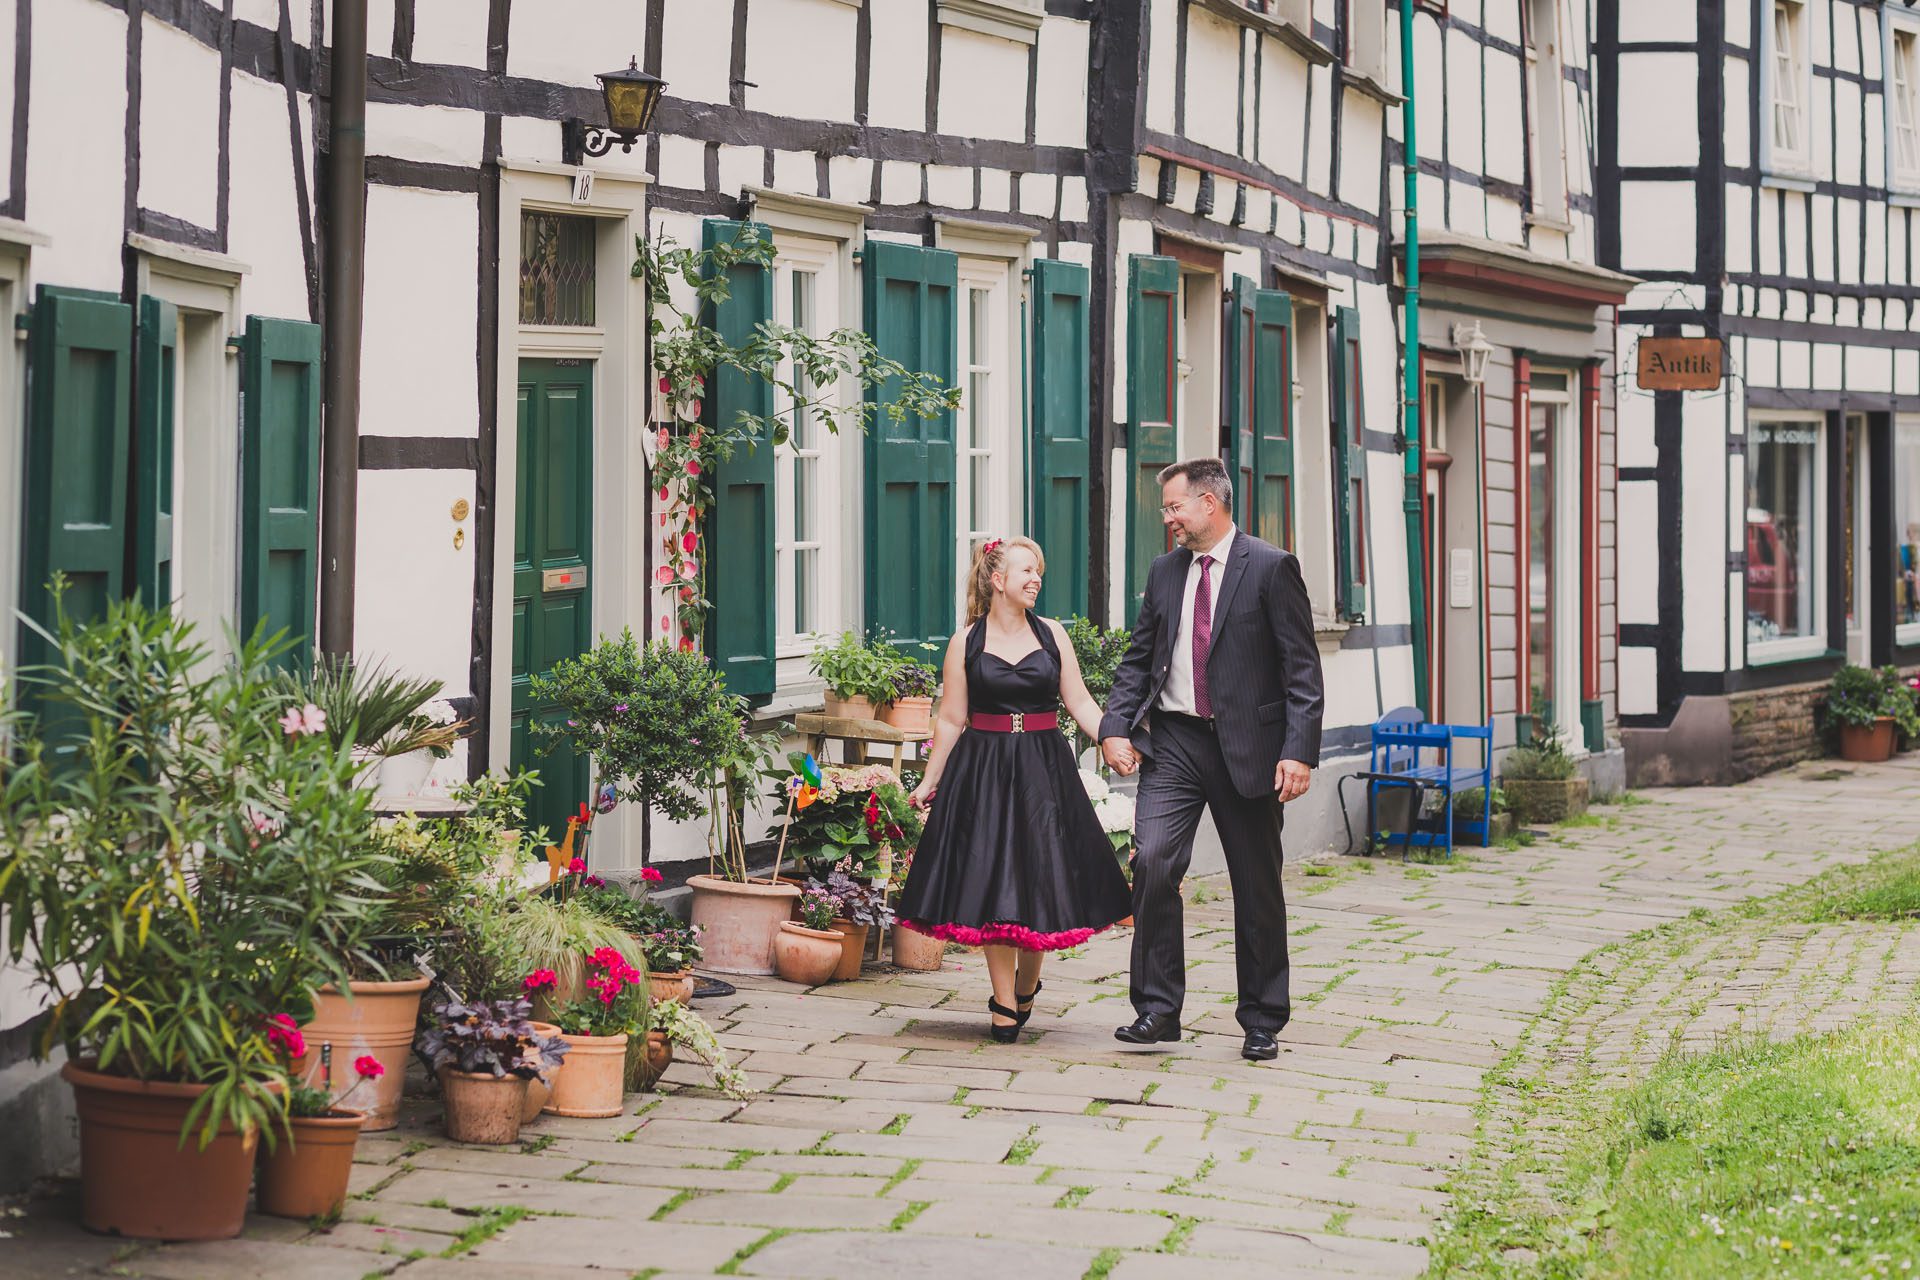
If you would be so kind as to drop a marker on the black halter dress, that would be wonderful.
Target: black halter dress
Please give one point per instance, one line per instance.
(1013, 853)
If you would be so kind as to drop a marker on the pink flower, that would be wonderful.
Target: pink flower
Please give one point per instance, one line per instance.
(299, 720)
(664, 438)
(577, 866)
(606, 957)
(283, 1033)
(368, 1067)
(689, 541)
(664, 493)
(664, 575)
(651, 875)
(689, 570)
(693, 466)
(594, 882)
(665, 386)
(539, 980)
(665, 625)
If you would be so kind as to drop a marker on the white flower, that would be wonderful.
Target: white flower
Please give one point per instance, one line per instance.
(1095, 785)
(1115, 813)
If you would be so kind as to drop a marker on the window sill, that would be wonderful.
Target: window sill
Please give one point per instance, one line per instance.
(1907, 634)
(1790, 181)
(1330, 635)
(1904, 197)
(1015, 20)
(1366, 84)
(1301, 42)
(1548, 222)
(1780, 653)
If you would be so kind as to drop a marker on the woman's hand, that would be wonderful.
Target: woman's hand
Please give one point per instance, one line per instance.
(922, 795)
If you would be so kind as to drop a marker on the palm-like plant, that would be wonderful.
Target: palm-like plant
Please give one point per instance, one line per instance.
(372, 707)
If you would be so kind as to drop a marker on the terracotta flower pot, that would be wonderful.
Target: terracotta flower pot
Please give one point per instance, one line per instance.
(483, 1109)
(136, 1176)
(305, 1175)
(1867, 744)
(738, 921)
(915, 715)
(653, 1064)
(589, 1083)
(913, 950)
(379, 1020)
(676, 986)
(832, 704)
(538, 1090)
(806, 956)
(853, 948)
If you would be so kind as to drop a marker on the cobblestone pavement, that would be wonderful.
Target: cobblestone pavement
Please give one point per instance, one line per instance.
(891, 1135)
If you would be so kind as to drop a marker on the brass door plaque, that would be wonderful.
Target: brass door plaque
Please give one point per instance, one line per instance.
(573, 579)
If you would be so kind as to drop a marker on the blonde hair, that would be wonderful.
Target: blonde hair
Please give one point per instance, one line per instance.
(989, 558)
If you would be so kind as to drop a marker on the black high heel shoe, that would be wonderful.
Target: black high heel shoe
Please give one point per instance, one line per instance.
(1027, 1000)
(1005, 1035)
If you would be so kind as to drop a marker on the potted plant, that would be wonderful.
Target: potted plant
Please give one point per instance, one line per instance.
(380, 713)
(677, 1026)
(807, 950)
(559, 933)
(1469, 805)
(858, 907)
(1115, 811)
(183, 857)
(596, 1028)
(916, 678)
(1870, 708)
(912, 949)
(670, 948)
(305, 1174)
(859, 676)
(1541, 781)
(484, 1054)
(1099, 650)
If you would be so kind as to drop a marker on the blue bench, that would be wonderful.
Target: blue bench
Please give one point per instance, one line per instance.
(1410, 754)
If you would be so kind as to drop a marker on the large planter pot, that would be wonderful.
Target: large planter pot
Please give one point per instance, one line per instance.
(646, 1066)
(1868, 744)
(407, 776)
(1545, 800)
(482, 1109)
(916, 950)
(136, 1176)
(914, 715)
(589, 1084)
(738, 922)
(676, 987)
(806, 956)
(832, 704)
(538, 1090)
(853, 949)
(378, 1020)
(305, 1175)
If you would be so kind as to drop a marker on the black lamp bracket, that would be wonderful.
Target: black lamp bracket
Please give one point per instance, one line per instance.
(578, 140)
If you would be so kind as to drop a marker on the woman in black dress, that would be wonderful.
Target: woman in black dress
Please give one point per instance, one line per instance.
(1013, 859)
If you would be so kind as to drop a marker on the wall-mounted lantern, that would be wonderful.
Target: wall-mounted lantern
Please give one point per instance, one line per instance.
(1471, 341)
(631, 95)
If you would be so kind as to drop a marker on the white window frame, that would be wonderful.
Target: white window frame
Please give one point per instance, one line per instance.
(1565, 571)
(1902, 97)
(1313, 507)
(1789, 88)
(1767, 652)
(1547, 131)
(1365, 54)
(17, 243)
(1904, 633)
(1003, 510)
(821, 258)
(1198, 359)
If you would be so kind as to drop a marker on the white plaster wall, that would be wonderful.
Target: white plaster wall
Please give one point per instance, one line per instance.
(454, 32)
(1283, 107)
(800, 58)
(1659, 118)
(1462, 104)
(418, 366)
(545, 40)
(413, 590)
(82, 203)
(439, 135)
(697, 45)
(1657, 20)
(1639, 507)
(524, 138)
(897, 93)
(1703, 531)
(1736, 143)
(264, 215)
(1506, 155)
(1739, 227)
(1639, 681)
(983, 85)
(1213, 79)
(1060, 104)
(266, 13)
(1163, 34)
(1360, 159)
(179, 124)
(1657, 226)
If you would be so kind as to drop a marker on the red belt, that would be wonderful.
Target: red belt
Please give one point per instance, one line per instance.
(1018, 722)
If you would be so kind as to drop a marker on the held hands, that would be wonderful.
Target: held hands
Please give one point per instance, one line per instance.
(922, 795)
(1120, 756)
(1291, 779)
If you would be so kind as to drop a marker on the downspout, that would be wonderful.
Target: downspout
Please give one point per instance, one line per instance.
(1410, 362)
(346, 243)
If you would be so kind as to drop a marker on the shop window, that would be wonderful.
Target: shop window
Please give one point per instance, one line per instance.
(1785, 509)
(1906, 533)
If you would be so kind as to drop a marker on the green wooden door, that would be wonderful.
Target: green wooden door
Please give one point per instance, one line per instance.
(280, 481)
(552, 559)
(153, 452)
(1349, 466)
(1153, 290)
(1241, 364)
(1060, 446)
(1271, 419)
(911, 530)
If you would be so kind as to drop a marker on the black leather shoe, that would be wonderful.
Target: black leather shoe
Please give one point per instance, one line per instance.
(1150, 1028)
(1026, 1002)
(1004, 1034)
(1260, 1046)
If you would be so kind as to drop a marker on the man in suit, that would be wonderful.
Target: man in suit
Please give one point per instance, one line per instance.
(1218, 700)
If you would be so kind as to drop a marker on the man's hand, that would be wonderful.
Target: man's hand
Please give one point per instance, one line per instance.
(1120, 756)
(1291, 779)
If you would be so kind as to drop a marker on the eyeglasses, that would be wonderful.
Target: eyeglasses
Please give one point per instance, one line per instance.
(1172, 507)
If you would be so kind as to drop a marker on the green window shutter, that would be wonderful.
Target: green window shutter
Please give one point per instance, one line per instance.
(1153, 287)
(911, 300)
(280, 480)
(78, 428)
(153, 451)
(1271, 434)
(739, 530)
(1238, 394)
(1060, 445)
(1349, 457)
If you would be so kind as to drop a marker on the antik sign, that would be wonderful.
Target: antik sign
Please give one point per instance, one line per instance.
(1679, 364)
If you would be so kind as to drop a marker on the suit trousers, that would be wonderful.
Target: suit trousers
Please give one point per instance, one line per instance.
(1184, 774)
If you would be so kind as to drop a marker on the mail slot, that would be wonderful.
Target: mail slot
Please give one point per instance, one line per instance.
(574, 579)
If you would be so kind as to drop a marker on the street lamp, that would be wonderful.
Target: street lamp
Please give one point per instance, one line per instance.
(1474, 349)
(631, 96)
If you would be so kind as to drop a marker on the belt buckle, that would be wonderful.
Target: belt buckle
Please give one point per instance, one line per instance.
(1019, 719)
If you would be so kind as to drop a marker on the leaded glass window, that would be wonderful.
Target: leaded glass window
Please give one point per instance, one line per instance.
(557, 263)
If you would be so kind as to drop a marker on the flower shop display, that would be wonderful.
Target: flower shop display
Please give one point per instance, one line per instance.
(1872, 709)
(485, 1053)
(858, 907)
(596, 1028)
(305, 1174)
(807, 950)
(1540, 780)
(235, 887)
(860, 675)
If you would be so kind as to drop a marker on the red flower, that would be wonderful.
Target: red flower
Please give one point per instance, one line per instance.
(664, 493)
(283, 1033)
(651, 875)
(665, 386)
(693, 466)
(594, 882)
(577, 866)
(873, 807)
(368, 1067)
(686, 644)
(539, 980)
(689, 541)
(606, 957)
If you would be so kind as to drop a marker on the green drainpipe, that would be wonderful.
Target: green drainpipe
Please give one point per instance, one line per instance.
(1416, 560)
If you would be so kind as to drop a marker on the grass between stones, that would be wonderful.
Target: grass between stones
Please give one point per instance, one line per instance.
(1797, 1158)
(491, 1221)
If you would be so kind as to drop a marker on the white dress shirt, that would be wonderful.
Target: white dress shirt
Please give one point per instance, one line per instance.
(1177, 694)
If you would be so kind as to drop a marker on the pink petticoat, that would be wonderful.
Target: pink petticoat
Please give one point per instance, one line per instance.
(1007, 935)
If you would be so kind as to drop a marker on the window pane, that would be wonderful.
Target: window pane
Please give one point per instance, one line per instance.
(805, 565)
(556, 269)
(1781, 543)
(1906, 524)
(1540, 489)
(803, 283)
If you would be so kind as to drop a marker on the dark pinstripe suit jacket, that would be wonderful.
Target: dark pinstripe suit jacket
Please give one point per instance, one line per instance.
(1263, 670)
